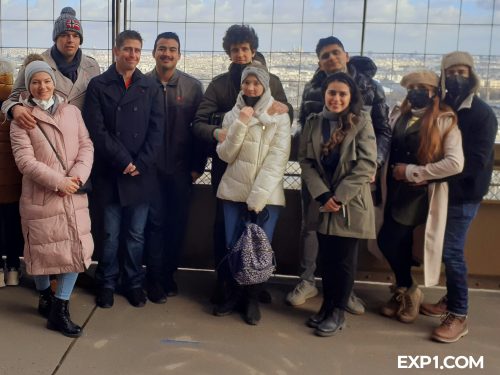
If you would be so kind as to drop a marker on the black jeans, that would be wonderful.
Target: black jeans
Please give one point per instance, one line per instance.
(166, 228)
(12, 242)
(338, 259)
(219, 243)
(395, 240)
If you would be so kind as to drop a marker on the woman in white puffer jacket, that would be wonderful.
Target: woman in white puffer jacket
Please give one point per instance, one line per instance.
(256, 148)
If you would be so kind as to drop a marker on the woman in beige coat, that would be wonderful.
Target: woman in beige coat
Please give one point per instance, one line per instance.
(55, 159)
(338, 159)
(426, 148)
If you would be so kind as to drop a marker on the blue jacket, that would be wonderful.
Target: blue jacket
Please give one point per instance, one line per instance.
(479, 126)
(126, 126)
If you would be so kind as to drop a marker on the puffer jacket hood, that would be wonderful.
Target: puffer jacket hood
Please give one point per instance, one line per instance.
(363, 64)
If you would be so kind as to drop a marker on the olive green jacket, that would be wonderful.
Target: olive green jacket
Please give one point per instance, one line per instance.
(350, 182)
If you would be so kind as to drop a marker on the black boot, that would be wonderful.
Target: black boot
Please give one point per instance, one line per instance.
(45, 302)
(230, 304)
(219, 293)
(59, 319)
(315, 320)
(333, 322)
(265, 296)
(252, 311)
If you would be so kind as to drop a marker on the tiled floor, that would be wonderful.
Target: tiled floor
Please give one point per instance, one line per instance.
(182, 337)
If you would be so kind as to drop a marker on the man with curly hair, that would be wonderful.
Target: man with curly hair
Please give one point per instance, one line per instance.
(240, 43)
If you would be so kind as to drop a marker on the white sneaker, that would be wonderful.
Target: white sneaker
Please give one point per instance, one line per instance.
(2, 278)
(12, 278)
(355, 305)
(301, 293)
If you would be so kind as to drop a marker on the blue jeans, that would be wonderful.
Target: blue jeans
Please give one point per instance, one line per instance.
(460, 217)
(234, 214)
(132, 219)
(65, 284)
(234, 222)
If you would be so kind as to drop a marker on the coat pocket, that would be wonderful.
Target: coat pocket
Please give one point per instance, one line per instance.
(48, 242)
(310, 151)
(38, 195)
(358, 202)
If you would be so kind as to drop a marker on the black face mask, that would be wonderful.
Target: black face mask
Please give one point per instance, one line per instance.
(251, 100)
(419, 98)
(457, 85)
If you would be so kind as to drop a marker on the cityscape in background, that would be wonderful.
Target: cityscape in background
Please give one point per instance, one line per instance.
(296, 69)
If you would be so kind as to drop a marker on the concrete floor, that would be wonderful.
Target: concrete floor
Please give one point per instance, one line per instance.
(182, 337)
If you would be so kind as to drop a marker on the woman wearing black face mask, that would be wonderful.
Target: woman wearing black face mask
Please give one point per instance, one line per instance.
(426, 147)
(256, 150)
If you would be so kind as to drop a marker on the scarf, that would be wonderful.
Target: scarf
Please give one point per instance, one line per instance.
(67, 69)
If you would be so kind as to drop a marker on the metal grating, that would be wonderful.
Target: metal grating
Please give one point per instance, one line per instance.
(494, 191)
(291, 180)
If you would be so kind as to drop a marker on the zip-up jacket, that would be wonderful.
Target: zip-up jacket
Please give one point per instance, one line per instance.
(181, 151)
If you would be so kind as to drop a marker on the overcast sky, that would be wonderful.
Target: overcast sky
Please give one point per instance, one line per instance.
(282, 25)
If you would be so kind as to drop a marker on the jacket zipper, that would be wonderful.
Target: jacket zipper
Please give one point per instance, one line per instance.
(260, 146)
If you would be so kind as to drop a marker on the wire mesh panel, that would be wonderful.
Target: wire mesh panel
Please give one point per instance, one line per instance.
(494, 191)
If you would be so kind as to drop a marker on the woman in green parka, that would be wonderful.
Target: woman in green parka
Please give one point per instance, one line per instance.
(338, 159)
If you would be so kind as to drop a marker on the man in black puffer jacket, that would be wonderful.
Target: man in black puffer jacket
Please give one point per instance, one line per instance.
(333, 58)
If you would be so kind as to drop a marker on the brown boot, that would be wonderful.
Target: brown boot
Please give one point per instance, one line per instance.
(393, 306)
(411, 304)
(452, 328)
(435, 309)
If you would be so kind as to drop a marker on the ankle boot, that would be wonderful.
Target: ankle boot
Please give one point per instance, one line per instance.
(412, 300)
(392, 308)
(333, 322)
(59, 319)
(45, 302)
(252, 311)
(231, 302)
(315, 320)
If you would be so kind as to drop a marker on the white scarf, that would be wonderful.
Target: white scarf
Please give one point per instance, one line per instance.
(44, 104)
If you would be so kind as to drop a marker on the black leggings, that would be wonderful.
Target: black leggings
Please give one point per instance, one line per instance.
(338, 258)
(395, 240)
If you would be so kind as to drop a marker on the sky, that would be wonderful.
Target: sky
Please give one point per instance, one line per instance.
(282, 25)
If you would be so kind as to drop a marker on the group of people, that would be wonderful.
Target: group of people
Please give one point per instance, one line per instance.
(144, 139)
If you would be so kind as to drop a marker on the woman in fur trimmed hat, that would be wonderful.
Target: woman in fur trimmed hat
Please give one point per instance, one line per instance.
(256, 148)
(426, 147)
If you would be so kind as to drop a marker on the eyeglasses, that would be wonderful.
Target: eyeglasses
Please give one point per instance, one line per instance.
(326, 55)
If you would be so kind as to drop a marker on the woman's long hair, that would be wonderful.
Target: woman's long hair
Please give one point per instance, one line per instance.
(430, 147)
(349, 117)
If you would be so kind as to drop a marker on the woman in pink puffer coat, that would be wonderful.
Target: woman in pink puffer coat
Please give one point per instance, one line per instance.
(55, 159)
